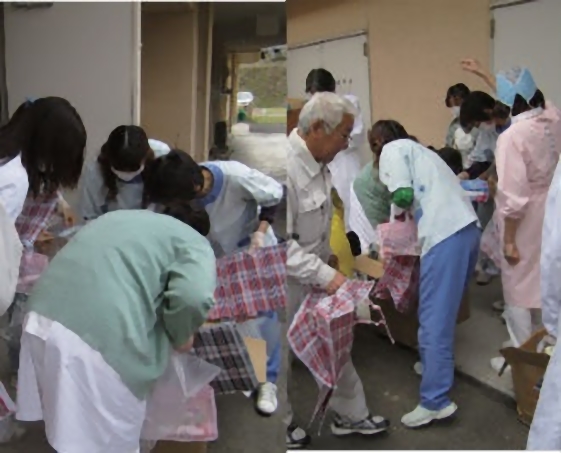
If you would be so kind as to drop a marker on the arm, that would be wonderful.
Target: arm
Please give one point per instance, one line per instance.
(307, 268)
(395, 174)
(475, 67)
(189, 295)
(513, 188)
(550, 266)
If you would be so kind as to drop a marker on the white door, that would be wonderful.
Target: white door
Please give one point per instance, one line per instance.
(529, 35)
(346, 58)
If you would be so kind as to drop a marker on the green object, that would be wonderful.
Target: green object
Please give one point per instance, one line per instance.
(372, 195)
(242, 116)
(403, 198)
(132, 285)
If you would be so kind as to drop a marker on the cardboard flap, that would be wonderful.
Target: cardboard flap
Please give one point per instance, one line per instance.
(368, 266)
(517, 356)
(257, 350)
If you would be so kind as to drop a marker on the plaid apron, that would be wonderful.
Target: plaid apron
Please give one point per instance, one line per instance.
(321, 335)
(250, 284)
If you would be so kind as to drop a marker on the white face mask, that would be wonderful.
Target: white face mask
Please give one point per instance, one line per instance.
(455, 111)
(127, 176)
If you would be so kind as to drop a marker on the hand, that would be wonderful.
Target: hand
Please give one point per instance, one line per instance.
(472, 65)
(334, 285)
(464, 176)
(257, 240)
(67, 213)
(511, 253)
(187, 346)
(44, 236)
(333, 262)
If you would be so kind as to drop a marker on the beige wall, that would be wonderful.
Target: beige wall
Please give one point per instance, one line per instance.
(414, 47)
(167, 76)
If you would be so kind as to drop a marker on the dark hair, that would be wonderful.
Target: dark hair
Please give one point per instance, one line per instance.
(415, 139)
(51, 138)
(459, 90)
(389, 130)
(453, 159)
(197, 219)
(501, 111)
(320, 80)
(473, 109)
(172, 178)
(125, 150)
(520, 105)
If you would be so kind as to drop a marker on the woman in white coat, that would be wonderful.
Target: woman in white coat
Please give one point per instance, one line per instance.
(241, 203)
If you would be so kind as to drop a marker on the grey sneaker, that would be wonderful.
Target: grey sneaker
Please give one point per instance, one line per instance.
(296, 438)
(367, 427)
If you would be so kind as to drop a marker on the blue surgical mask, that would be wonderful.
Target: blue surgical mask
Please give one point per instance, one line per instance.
(515, 81)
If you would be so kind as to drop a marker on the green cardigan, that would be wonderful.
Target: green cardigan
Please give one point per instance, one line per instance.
(132, 285)
(372, 195)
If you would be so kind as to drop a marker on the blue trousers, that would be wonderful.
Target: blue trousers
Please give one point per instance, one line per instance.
(445, 273)
(270, 329)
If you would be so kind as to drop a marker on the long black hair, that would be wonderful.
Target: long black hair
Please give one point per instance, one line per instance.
(125, 150)
(172, 178)
(319, 81)
(520, 105)
(51, 138)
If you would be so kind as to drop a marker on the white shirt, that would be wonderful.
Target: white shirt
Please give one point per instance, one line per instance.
(359, 223)
(441, 207)
(13, 186)
(346, 166)
(308, 217)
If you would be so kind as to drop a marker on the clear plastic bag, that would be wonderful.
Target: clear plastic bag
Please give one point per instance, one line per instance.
(181, 407)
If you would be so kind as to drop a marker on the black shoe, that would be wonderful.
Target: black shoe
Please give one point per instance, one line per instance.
(296, 438)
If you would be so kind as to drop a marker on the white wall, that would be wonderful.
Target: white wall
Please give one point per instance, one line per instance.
(530, 35)
(84, 52)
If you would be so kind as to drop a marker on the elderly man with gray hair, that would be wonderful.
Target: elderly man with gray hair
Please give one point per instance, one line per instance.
(324, 129)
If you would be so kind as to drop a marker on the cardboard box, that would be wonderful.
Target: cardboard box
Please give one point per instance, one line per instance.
(528, 368)
(403, 327)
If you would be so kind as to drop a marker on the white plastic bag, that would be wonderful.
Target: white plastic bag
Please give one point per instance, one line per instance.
(181, 400)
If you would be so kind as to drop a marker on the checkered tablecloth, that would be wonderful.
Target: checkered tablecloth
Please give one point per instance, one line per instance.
(321, 335)
(249, 284)
(222, 345)
(35, 217)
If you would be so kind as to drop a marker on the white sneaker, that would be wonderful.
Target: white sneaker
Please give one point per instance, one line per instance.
(498, 305)
(421, 416)
(418, 367)
(498, 363)
(266, 403)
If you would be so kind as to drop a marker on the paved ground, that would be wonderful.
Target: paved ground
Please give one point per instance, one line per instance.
(265, 128)
(483, 422)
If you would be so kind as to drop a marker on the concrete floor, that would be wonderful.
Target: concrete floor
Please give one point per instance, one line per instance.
(483, 422)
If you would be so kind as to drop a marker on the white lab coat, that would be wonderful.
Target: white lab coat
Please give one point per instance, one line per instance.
(13, 186)
(10, 256)
(545, 433)
(234, 215)
(346, 166)
(441, 206)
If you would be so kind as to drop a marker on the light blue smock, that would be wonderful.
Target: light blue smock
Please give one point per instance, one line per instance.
(93, 193)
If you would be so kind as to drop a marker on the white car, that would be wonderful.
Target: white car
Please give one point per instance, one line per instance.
(245, 98)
